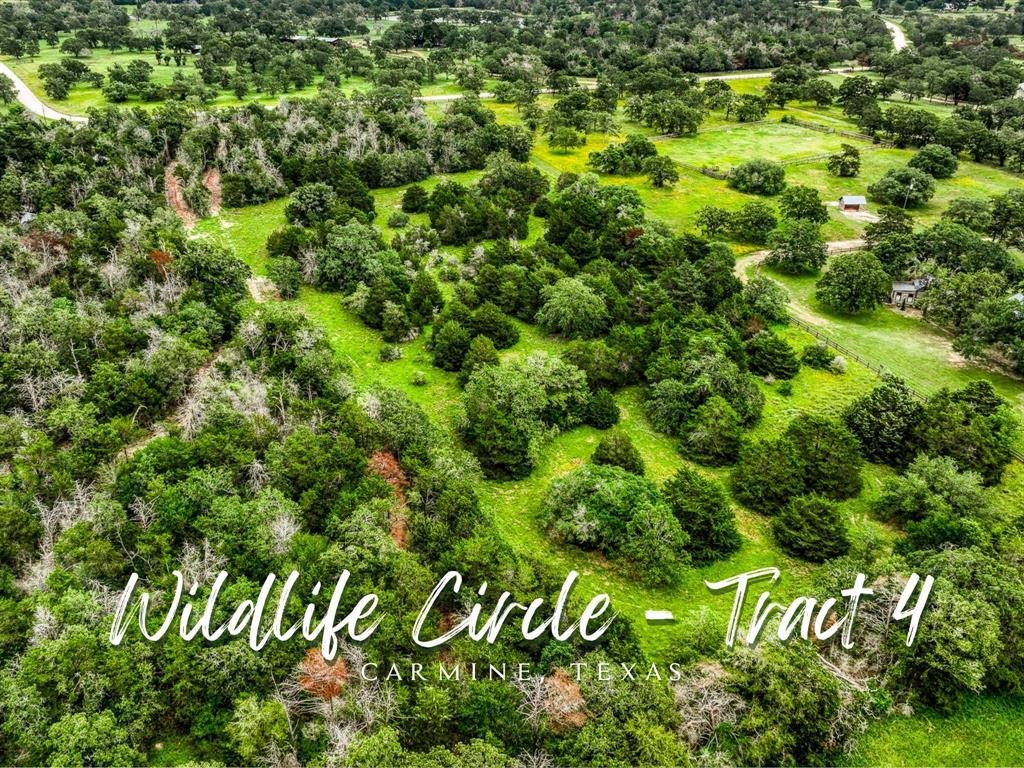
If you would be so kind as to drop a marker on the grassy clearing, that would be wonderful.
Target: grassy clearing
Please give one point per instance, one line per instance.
(773, 140)
(82, 98)
(978, 735)
(908, 347)
(972, 179)
(986, 731)
(678, 205)
(725, 148)
(515, 505)
(905, 345)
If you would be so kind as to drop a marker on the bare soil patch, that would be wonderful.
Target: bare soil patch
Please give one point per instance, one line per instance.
(176, 197)
(211, 180)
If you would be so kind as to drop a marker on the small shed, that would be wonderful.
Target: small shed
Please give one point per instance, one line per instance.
(905, 292)
(853, 203)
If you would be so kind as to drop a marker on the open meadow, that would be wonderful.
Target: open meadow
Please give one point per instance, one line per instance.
(82, 97)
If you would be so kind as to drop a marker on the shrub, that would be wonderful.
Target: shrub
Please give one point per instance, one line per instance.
(817, 355)
(884, 421)
(398, 219)
(564, 385)
(451, 346)
(503, 424)
(770, 355)
(767, 475)
(311, 204)
(389, 353)
(415, 199)
(935, 160)
(288, 240)
(713, 434)
(572, 309)
(394, 323)
(702, 508)
(655, 546)
(602, 412)
(617, 449)
(793, 710)
(829, 456)
(606, 508)
(286, 274)
(931, 484)
(767, 299)
(668, 406)
(972, 425)
(481, 353)
(812, 527)
(758, 177)
(424, 299)
(491, 322)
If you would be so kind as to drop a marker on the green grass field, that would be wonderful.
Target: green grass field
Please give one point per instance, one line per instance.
(82, 98)
(777, 141)
(514, 505)
(724, 145)
(985, 732)
(903, 344)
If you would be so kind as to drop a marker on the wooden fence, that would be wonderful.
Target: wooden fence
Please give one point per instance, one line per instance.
(826, 129)
(878, 369)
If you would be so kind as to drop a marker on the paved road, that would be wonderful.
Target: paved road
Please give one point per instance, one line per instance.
(899, 40)
(33, 103)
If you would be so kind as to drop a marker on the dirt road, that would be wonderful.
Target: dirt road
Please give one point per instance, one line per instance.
(836, 246)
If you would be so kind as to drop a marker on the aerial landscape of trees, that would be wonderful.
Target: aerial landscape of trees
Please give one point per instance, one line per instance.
(480, 293)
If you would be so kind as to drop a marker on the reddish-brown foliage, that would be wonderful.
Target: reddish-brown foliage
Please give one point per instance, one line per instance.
(386, 466)
(632, 234)
(563, 701)
(321, 678)
(162, 259)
